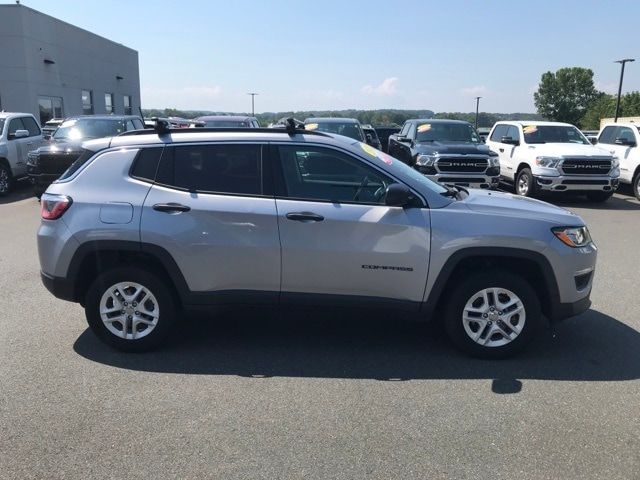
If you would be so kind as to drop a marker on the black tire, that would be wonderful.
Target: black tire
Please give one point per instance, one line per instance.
(155, 285)
(6, 179)
(599, 196)
(525, 185)
(636, 185)
(467, 289)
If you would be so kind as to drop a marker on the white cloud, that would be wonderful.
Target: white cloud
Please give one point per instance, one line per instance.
(474, 91)
(386, 89)
(607, 87)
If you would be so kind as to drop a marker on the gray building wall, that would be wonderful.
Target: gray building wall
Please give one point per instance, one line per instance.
(83, 61)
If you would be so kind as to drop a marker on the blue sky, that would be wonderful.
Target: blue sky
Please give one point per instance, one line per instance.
(330, 54)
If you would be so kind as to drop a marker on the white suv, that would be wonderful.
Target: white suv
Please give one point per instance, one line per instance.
(552, 156)
(19, 134)
(622, 140)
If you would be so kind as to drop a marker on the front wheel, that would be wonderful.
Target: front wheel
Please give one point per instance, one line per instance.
(492, 315)
(599, 196)
(524, 183)
(636, 185)
(6, 179)
(130, 309)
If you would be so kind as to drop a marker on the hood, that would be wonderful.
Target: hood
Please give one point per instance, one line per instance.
(507, 204)
(453, 148)
(61, 146)
(566, 150)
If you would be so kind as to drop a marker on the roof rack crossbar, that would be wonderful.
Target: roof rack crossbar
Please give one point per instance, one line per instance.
(167, 130)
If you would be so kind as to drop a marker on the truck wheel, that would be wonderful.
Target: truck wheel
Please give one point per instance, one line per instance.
(525, 185)
(599, 196)
(130, 309)
(6, 179)
(636, 185)
(492, 315)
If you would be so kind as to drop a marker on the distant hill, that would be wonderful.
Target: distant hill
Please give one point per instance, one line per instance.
(375, 117)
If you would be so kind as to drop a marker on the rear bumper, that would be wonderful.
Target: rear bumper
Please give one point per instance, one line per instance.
(58, 287)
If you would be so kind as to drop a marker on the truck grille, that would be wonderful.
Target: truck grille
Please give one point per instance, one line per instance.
(462, 165)
(56, 163)
(584, 166)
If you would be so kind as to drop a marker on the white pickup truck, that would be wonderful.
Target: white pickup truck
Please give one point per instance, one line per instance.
(19, 134)
(554, 157)
(622, 140)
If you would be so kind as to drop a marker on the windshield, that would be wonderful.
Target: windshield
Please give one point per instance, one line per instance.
(226, 124)
(398, 168)
(87, 128)
(348, 129)
(447, 133)
(553, 134)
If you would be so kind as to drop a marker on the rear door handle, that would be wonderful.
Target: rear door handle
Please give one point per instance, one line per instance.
(171, 207)
(304, 217)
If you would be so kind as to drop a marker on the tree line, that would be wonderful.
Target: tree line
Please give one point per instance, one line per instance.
(394, 117)
(569, 95)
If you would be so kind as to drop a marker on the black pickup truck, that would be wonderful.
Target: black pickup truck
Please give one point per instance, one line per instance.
(446, 151)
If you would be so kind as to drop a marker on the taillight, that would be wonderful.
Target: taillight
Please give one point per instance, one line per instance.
(53, 206)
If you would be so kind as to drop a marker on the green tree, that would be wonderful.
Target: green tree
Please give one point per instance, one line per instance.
(564, 96)
(630, 104)
(603, 107)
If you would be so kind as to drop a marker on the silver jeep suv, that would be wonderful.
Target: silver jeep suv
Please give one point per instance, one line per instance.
(145, 225)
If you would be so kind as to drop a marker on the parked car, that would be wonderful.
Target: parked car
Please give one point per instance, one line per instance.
(371, 136)
(47, 163)
(147, 224)
(347, 127)
(484, 133)
(50, 127)
(553, 157)
(384, 132)
(19, 134)
(446, 151)
(227, 121)
(282, 123)
(622, 140)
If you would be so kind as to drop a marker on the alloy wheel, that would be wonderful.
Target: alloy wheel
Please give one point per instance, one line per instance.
(523, 185)
(129, 310)
(494, 317)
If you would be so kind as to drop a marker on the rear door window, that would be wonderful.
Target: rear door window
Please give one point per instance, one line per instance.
(228, 169)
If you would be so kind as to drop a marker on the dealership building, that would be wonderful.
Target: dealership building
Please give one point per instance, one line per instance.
(55, 70)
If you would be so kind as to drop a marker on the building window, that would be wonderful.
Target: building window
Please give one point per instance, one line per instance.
(128, 109)
(108, 102)
(50, 107)
(87, 102)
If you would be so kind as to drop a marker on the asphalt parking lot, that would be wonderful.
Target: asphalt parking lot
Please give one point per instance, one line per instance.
(305, 395)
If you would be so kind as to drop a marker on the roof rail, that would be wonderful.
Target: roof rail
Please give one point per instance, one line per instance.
(163, 127)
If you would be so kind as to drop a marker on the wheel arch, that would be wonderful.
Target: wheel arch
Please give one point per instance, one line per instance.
(532, 266)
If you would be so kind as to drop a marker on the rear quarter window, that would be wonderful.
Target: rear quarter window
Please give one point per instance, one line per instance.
(146, 164)
(84, 157)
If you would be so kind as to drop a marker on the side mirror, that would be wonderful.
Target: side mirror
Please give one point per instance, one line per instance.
(369, 138)
(397, 195)
(46, 136)
(593, 140)
(18, 134)
(509, 141)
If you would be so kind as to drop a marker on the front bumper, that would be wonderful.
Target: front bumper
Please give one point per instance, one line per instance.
(466, 180)
(566, 183)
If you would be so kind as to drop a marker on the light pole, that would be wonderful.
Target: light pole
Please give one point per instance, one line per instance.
(621, 62)
(253, 95)
(477, 107)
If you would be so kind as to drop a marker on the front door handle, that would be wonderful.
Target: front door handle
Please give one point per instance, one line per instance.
(171, 207)
(304, 217)
(501, 150)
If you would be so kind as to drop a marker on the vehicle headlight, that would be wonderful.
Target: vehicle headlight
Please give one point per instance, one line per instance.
(426, 160)
(548, 162)
(494, 161)
(574, 237)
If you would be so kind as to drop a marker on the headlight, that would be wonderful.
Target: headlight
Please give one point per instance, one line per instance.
(573, 236)
(494, 161)
(547, 162)
(426, 160)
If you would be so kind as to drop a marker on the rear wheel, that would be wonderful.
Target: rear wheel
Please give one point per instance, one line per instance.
(130, 309)
(6, 179)
(524, 183)
(636, 185)
(599, 196)
(492, 315)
